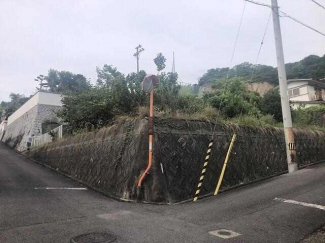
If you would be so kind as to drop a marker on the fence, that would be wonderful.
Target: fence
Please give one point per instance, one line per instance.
(47, 137)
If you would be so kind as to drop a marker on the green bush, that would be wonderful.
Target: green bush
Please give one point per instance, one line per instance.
(232, 98)
(312, 116)
(190, 104)
(266, 120)
(271, 104)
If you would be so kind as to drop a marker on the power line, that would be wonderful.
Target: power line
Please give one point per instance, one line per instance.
(318, 4)
(233, 52)
(299, 22)
(262, 42)
(286, 16)
(258, 3)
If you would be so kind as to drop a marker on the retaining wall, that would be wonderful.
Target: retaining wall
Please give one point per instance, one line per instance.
(29, 123)
(112, 159)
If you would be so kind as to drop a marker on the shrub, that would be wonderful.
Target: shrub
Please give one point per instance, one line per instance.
(312, 116)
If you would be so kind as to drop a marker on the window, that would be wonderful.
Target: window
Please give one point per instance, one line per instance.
(318, 94)
(296, 92)
(293, 92)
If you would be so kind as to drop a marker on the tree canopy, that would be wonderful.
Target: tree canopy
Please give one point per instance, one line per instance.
(310, 67)
(232, 98)
(16, 101)
(64, 82)
(160, 62)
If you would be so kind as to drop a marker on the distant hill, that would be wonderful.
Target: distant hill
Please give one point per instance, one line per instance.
(310, 67)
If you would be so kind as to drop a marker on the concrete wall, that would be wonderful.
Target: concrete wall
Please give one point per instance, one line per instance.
(27, 120)
(40, 98)
(3, 128)
(112, 159)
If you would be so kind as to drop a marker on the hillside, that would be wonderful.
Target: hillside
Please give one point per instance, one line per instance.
(310, 67)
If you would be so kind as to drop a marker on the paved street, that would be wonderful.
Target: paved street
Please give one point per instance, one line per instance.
(39, 205)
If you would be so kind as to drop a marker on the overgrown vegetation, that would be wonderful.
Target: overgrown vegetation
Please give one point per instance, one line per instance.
(310, 67)
(309, 117)
(117, 95)
(64, 82)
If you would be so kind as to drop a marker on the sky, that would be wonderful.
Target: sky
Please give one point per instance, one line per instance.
(80, 35)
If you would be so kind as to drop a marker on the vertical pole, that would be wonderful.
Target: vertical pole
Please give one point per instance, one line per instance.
(286, 113)
(225, 164)
(151, 127)
(137, 60)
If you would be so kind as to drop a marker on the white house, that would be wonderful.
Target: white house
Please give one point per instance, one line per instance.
(306, 92)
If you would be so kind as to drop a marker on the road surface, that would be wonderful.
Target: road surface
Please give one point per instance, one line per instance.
(40, 205)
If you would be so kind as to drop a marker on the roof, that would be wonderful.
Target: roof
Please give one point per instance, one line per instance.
(309, 81)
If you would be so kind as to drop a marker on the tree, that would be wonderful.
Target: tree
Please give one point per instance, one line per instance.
(65, 82)
(114, 94)
(88, 110)
(213, 75)
(167, 92)
(232, 98)
(271, 104)
(16, 101)
(107, 74)
(160, 61)
(310, 67)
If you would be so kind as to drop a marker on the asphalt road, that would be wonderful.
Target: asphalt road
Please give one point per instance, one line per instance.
(30, 213)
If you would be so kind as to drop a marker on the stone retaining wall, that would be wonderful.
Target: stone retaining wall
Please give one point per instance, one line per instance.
(112, 159)
(30, 123)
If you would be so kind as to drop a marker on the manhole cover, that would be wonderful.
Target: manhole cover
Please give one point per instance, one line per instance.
(94, 238)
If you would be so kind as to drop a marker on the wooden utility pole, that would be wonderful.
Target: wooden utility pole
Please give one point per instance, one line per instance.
(137, 55)
(286, 112)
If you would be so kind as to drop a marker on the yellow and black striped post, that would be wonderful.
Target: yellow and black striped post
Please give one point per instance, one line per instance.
(206, 162)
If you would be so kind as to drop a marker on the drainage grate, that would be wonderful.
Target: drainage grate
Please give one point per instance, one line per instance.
(94, 238)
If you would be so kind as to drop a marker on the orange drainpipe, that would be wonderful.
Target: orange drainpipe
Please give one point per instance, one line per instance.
(150, 125)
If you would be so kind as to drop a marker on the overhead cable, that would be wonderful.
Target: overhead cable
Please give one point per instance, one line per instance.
(287, 16)
(233, 52)
(262, 42)
(318, 4)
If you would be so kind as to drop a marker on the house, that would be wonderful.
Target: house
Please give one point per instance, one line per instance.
(37, 116)
(306, 92)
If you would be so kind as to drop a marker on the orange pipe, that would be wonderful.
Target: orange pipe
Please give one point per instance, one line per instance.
(150, 140)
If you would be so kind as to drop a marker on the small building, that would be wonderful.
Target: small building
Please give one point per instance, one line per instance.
(306, 92)
(37, 116)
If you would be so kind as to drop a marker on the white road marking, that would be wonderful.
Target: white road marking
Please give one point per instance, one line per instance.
(115, 215)
(60, 188)
(224, 234)
(301, 203)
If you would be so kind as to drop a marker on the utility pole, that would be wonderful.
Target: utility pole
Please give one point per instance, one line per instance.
(173, 66)
(286, 112)
(137, 55)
